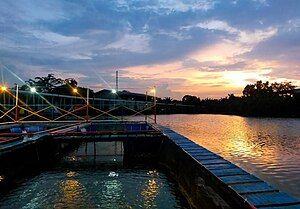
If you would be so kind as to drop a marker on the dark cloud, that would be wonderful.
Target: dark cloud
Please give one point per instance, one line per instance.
(86, 37)
(285, 46)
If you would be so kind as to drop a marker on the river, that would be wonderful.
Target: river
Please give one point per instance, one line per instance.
(266, 147)
(80, 180)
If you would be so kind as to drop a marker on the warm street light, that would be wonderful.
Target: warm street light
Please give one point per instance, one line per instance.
(3, 88)
(114, 91)
(154, 98)
(75, 90)
(32, 89)
(153, 90)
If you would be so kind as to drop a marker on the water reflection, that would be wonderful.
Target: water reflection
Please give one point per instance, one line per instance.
(112, 193)
(71, 193)
(107, 187)
(150, 192)
(266, 147)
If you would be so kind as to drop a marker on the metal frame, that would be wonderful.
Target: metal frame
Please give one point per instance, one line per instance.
(38, 108)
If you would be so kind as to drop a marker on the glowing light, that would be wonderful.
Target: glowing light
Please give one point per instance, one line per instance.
(153, 90)
(241, 79)
(114, 91)
(3, 88)
(32, 89)
(75, 90)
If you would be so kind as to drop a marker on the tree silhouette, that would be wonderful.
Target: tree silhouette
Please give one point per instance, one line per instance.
(71, 82)
(43, 84)
(259, 88)
(191, 100)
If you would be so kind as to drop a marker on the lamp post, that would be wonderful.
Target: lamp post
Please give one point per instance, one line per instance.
(75, 91)
(114, 92)
(3, 90)
(33, 91)
(154, 98)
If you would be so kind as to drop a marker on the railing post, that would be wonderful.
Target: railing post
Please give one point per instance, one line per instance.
(4, 102)
(17, 102)
(154, 104)
(87, 103)
(146, 105)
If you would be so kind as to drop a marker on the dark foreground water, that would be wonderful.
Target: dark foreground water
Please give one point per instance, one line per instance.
(266, 147)
(80, 181)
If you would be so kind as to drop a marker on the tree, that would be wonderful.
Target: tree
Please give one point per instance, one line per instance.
(167, 100)
(191, 100)
(259, 88)
(249, 90)
(71, 82)
(231, 96)
(43, 84)
(283, 89)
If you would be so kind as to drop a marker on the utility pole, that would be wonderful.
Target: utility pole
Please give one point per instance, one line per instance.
(117, 81)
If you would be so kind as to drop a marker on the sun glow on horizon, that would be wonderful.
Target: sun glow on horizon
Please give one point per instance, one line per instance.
(241, 78)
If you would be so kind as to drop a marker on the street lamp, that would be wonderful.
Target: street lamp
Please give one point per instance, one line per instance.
(3, 88)
(33, 90)
(114, 91)
(75, 90)
(153, 91)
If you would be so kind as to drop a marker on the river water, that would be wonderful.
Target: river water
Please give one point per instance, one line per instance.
(266, 147)
(81, 180)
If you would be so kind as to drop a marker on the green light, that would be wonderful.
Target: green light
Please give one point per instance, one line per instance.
(32, 89)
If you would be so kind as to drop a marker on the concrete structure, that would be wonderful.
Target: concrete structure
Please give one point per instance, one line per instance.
(210, 181)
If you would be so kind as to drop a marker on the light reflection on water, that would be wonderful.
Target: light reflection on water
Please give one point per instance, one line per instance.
(115, 187)
(151, 190)
(90, 189)
(267, 147)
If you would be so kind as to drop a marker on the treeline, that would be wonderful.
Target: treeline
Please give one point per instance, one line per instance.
(258, 99)
(53, 85)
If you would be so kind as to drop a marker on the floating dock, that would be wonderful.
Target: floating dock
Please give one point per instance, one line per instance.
(236, 186)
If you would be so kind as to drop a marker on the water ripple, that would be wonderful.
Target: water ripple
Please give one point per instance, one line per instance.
(267, 147)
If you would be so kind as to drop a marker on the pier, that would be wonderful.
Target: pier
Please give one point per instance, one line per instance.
(205, 178)
(197, 168)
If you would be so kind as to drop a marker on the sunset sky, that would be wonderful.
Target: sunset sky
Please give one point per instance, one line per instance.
(208, 48)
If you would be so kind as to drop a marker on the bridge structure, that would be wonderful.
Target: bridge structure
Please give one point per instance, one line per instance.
(30, 106)
(26, 116)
